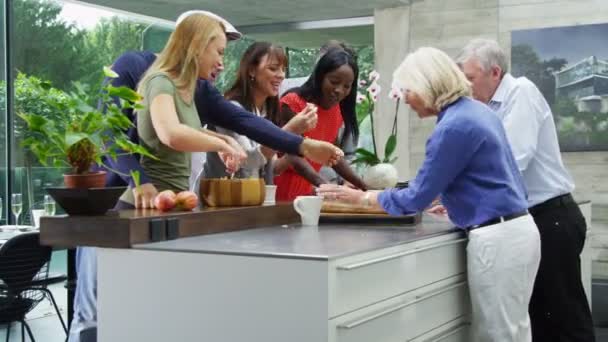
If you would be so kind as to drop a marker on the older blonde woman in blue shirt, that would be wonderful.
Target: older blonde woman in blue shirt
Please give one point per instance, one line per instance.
(470, 165)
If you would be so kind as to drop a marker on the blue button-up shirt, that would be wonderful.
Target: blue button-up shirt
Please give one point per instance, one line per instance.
(470, 164)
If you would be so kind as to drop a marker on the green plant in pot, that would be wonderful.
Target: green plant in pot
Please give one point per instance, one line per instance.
(91, 129)
(85, 134)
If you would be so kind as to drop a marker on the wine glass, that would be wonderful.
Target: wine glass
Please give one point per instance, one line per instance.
(16, 207)
(49, 205)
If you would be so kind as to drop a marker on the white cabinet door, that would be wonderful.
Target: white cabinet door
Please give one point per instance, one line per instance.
(369, 278)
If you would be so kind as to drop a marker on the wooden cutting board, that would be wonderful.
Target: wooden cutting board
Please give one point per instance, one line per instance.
(346, 208)
(336, 212)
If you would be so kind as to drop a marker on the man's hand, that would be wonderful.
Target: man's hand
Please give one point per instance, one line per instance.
(144, 195)
(321, 152)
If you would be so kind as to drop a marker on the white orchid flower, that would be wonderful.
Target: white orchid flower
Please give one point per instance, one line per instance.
(374, 89)
(374, 76)
(362, 82)
(395, 94)
(360, 97)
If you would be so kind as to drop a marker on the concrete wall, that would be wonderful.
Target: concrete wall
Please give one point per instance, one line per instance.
(449, 24)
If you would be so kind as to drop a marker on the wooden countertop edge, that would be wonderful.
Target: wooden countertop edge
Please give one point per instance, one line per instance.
(127, 228)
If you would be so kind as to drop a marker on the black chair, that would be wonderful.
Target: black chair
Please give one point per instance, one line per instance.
(23, 280)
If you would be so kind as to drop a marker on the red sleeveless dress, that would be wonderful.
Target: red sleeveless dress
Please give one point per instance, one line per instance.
(289, 183)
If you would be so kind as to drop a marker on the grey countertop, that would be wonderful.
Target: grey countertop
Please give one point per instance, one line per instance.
(328, 241)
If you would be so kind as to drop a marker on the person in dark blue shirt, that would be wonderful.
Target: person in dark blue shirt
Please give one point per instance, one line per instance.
(470, 165)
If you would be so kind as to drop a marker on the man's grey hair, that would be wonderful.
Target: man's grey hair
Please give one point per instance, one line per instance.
(487, 52)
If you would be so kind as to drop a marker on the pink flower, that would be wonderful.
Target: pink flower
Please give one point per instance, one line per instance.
(374, 76)
(362, 83)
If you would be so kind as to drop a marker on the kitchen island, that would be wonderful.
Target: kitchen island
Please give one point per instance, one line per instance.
(283, 282)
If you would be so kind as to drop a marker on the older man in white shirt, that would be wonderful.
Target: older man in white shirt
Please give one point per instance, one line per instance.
(559, 310)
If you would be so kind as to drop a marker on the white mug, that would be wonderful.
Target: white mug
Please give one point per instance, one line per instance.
(271, 191)
(309, 208)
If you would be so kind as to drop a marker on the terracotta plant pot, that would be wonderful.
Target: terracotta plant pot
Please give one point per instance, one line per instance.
(217, 192)
(86, 181)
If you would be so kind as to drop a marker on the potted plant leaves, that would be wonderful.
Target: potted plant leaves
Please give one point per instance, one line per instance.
(91, 129)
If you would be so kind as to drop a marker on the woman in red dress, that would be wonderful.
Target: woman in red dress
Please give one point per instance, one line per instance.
(332, 87)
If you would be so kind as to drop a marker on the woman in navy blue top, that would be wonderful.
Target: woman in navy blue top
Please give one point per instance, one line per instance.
(469, 164)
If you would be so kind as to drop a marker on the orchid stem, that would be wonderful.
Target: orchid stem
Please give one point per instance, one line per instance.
(371, 119)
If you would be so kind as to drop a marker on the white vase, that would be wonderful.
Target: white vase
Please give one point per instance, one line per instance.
(380, 176)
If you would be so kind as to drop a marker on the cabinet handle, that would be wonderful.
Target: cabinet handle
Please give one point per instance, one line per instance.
(398, 255)
(448, 333)
(400, 306)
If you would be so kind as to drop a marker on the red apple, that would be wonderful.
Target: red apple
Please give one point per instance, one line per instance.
(165, 200)
(186, 200)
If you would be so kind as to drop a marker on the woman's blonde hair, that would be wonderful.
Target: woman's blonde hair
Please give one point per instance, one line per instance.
(179, 57)
(432, 75)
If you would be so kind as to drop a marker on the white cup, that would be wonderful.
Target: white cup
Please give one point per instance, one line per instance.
(36, 214)
(271, 191)
(309, 208)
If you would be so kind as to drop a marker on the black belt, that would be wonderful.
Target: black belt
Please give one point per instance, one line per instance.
(555, 202)
(498, 220)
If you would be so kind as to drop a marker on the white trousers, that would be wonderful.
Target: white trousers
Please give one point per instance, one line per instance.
(502, 261)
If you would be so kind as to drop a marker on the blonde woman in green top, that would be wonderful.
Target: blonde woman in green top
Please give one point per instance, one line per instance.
(169, 125)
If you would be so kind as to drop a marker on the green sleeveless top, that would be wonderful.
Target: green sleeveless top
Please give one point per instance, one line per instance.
(172, 169)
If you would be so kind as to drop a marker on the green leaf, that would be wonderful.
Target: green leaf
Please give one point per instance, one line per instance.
(45, 85)
(365, 152)
(57, 163)
(34, 122)
(129, 146)
(135, 175)
(109, 72)
(366, 161)
(113, 155)
(72, 138)
(124, 93)
(360, 118)
(96, 139)
(363, 110)
(85, 108)
(389, 148)
(366, 157)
